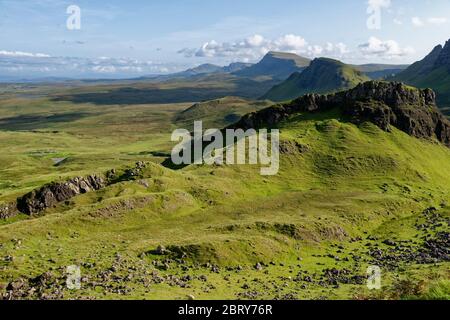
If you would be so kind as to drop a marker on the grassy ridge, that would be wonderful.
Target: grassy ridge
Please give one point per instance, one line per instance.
(322, 76)
(345, 183)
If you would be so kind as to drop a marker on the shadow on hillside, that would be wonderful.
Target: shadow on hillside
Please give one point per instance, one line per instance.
(146, 96)
(33, 122)
(179, 93)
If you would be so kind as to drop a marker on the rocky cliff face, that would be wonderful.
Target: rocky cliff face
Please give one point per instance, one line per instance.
(385, 104)
(49, 195)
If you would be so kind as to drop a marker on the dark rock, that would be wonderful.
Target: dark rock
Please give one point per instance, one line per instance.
(54, 193)
(389, 243)
(385, 104)
(8, 210)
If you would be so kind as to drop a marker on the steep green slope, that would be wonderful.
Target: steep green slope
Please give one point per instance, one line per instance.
(276, 65)
(323, 75)
(432, 72)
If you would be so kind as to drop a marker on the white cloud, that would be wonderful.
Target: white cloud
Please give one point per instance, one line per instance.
(417, 22)
(28, 64)
(398, 21)
(252, 48)
(22, 54)
(389, 49)
(437, 20)
(290, 42)
(255, 41)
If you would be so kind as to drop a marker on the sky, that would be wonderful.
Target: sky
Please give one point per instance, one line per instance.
(116, 38)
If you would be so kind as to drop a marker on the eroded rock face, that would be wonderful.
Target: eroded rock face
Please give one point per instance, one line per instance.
(385, 104)
(49, 195)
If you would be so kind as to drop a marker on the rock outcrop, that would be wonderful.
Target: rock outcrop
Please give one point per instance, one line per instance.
(8, 210)
(385, 104)
(51, 194)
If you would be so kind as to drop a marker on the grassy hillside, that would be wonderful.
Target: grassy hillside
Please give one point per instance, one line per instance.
(322, 76)
(344, 193)
(219, 113)
(202, 87)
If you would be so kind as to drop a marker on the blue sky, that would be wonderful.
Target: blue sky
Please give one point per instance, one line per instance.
(153, 36)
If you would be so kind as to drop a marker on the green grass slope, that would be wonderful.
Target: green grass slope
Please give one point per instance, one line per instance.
(309, 232)
(322, 76)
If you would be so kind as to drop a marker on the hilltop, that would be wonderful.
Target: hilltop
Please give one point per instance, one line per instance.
(276, 65)
(220, 112)
(322, 76)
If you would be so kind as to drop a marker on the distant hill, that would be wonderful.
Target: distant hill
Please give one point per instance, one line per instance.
(220, 112)
(432, 72)
(323, 75)
(208, 68)
(380, 71)
(276, 65)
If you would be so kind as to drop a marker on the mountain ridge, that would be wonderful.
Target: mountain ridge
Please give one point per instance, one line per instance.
(433, 71)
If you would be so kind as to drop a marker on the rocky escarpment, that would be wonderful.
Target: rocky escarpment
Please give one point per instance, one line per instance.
(51, 194)
(385, 104)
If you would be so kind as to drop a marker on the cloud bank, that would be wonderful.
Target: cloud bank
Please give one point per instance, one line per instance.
(34, 65)
(388, 49)
(253, 47)
(432, 21)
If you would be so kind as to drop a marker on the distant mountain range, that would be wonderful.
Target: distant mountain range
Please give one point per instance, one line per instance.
(432, 72)
(322, 76)
(380, 71)
(212, 68)
(280, 66)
